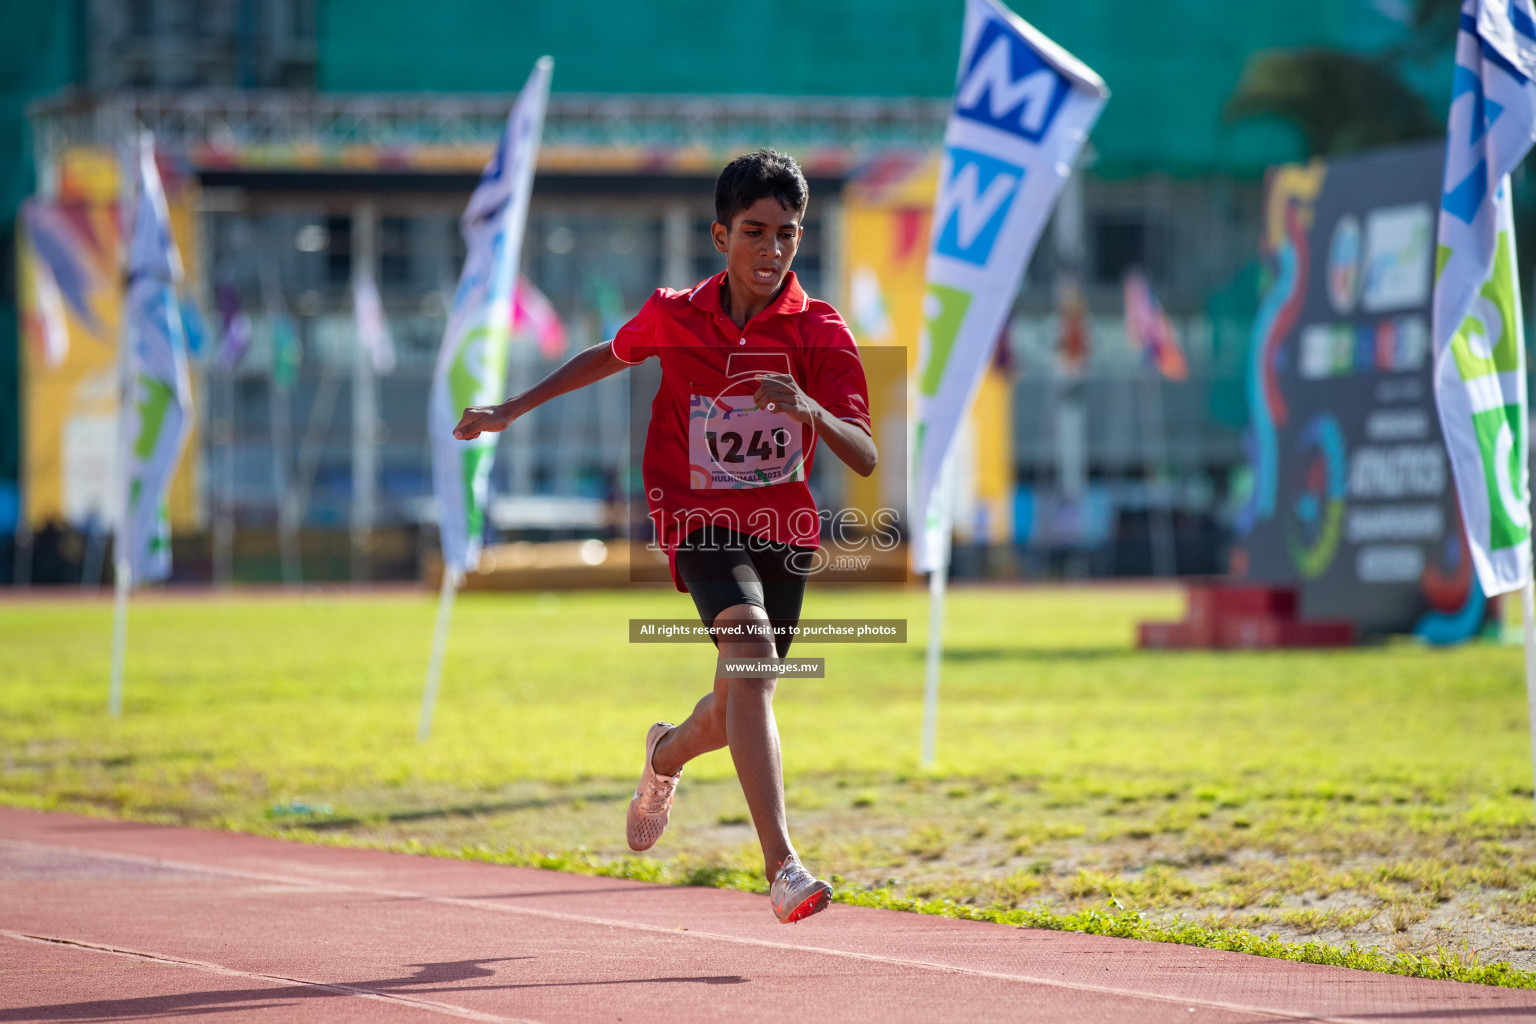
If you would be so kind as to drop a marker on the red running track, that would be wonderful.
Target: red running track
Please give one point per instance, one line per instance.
(116, 921)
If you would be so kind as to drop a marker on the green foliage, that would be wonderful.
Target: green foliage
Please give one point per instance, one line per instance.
(1445, 964)
(1341, 102)
(1345, 101)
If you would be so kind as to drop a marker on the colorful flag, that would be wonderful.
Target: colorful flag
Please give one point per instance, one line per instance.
(1478, 327)
(1023, 108)
(234, 328)
(44, 321)
(287, 352)
(372, 327)
(55, 266)
(1148, 329)
(866, 304)
(192, 324)
(1072, 342)
(157, 408)
(604, 295)
(472, 363)
(67, 257)
(533, 315)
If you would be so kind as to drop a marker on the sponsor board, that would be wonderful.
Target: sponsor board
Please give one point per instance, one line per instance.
(1362, 515)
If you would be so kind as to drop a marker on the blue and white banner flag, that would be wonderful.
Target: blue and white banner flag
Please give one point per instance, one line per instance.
(1023, 108)
(156, 410)
(1479, 338)
(472, 364)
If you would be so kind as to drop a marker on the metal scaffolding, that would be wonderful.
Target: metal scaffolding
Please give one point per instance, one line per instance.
(215, 121)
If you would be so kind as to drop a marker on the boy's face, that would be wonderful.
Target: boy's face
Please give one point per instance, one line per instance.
(759, 246)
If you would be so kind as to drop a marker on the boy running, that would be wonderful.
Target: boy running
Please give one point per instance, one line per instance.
(753, 374)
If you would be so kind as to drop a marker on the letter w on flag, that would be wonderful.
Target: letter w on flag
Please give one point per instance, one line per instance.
(974, 196)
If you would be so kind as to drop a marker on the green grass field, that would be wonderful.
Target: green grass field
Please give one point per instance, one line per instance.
(1314, 805)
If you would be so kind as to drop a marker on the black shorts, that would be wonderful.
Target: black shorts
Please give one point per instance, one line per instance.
(722, 568)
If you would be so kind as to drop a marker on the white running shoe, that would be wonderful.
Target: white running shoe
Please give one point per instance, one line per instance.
(797, 894)
(652, 803)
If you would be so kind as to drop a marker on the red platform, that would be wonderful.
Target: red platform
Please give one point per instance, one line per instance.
(1227, 616)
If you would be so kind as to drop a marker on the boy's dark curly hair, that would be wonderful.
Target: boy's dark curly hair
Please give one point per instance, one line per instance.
(760, 175)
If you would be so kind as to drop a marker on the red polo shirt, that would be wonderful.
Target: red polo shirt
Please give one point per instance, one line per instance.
(705, 356)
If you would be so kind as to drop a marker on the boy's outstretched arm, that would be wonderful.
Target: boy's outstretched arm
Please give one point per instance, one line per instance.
(585, 367)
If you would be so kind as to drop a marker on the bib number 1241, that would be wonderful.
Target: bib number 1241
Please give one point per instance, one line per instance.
(733, 444)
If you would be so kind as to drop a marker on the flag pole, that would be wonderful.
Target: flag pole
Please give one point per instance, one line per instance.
(451, 581)
(122, 573)
(938, 581)
(280, 427)
(321, 411)
(365, 405)
(224, 519)
(936, 587)
(1528, 608)
(121, 585)
(1165, 558)
(280, 412)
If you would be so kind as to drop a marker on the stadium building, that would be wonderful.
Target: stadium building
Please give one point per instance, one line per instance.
(307, 141)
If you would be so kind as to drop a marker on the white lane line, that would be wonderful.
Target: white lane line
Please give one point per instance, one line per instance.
(601, 922)
(429, 1005)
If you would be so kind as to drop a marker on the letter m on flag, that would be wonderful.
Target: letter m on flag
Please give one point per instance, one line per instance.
(1008, 86)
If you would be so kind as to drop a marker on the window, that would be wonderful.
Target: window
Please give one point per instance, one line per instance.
(338, 253)
(302, 18)
(395, 250)
(1120, 242)
(141, 19)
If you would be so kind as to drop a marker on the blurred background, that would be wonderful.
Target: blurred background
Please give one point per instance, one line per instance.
(302, 140)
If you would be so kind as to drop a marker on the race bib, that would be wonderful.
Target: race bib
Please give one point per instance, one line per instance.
(733, 444)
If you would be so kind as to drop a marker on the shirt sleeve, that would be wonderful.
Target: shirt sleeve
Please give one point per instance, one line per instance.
(635, 342)
(837, 375)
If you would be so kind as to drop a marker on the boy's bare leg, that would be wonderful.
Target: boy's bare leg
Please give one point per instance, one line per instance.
(739, 714)
(754, 743)
(753, 737)
(699, 733)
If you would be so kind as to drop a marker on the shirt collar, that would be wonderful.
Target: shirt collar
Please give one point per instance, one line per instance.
(792, 299)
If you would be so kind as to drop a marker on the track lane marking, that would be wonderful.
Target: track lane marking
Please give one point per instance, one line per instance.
(554, 915)
(429, 1005)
